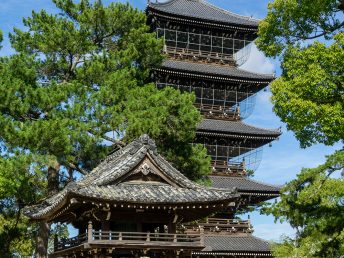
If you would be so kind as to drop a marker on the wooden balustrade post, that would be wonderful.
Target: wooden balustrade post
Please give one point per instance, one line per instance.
(174, 238)
(201, 231)
(120, 236)
(89, 232)
(56, 243)
(148, 237)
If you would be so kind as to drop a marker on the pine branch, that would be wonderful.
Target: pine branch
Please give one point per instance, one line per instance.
(333, 29)
(118, 143)
(77, 168)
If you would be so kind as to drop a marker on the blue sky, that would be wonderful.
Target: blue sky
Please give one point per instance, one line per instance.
(280, 163)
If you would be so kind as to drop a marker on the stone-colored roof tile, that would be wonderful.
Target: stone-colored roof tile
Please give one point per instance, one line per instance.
(202, 10)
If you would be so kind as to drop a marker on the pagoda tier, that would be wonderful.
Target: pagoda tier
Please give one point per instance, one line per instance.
(226, 93)
(196, 28)
(133, 200)
(204, 46)
(233, 145)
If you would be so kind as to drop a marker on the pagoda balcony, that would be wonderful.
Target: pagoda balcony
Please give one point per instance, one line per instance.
(211, 111)
(231, 105)
(220, 167)
(233, 160)
(224, 49)
(129, 240)
(215, 226)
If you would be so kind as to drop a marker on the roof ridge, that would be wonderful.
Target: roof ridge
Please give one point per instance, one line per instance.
(170, 2)
(134, 146)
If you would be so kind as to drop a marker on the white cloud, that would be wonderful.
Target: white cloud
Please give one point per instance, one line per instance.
(273, 232)
(258, 63)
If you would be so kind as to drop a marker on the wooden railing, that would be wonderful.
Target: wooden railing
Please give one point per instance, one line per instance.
(230, 169)
(66, 243)
(218, 112)
(146, 237)
(132, 238)
(219, 226)
(198, 55)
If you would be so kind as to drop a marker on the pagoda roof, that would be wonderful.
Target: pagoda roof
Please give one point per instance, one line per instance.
(203, 12)
(223, 128)
(245, 185)
(234, 245)
(136, 174)
(211, 71)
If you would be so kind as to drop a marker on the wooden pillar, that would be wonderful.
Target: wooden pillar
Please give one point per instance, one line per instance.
(56, 240)
(89, 232)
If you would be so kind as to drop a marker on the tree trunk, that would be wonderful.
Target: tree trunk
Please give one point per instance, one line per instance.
(53, 179)
(42, 240)
(44, 226)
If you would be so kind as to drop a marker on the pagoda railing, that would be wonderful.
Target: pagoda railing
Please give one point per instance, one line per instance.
(112, 238)
(216, 103)
(219, 226)
(205, 47)
(233, 160)
(228, 168)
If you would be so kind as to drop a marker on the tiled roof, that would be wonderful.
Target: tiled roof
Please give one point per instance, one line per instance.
(109, 182)
(213, 126)
(202, 10)
(228, 72)
(245, 244)
(150, 193)
(244, 185)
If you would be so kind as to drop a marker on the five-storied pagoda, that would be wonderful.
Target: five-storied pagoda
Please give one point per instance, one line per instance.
(136, 204)
(205, 45)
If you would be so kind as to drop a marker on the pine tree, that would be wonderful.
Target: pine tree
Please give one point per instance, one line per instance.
(75, 77)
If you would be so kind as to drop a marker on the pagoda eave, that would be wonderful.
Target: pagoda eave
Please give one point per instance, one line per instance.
(235, 254)
(236, 136)
(207, 23)
(216, 77)
(202, 13)
(235, 129)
